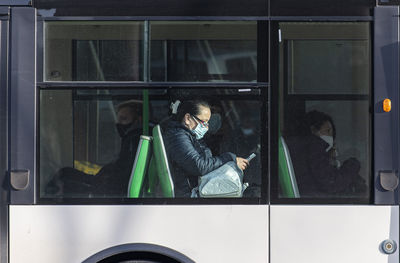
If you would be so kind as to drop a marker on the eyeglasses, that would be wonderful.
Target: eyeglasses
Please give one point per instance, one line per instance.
(204, 123)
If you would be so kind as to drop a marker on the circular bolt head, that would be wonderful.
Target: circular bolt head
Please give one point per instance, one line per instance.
(389, 246)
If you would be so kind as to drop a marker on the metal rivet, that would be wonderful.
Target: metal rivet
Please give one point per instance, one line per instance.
(389, 246)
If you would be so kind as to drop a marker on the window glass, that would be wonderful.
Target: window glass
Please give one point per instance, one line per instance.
(93, 51)
(340, 66)
(91, 144)
(327, 58)
(325, 122)
(203, 51)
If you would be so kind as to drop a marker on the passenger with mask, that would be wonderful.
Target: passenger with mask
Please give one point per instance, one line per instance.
(188, 154)
(113, 178)
(313, 154)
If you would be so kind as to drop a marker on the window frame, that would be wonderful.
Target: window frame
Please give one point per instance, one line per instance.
(261, 84)
(275, 36)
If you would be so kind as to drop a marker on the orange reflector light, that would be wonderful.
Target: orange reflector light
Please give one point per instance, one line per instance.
(387, 105)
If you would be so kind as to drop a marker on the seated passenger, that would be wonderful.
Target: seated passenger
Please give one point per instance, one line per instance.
(313, 155)
(113, 178)
(188, 154)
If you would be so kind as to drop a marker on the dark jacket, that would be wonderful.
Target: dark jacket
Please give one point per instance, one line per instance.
(111, 181)
(113, 178)
(315, 176)
(189, 158)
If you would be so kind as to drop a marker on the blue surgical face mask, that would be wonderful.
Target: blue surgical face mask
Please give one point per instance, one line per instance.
(200, 130)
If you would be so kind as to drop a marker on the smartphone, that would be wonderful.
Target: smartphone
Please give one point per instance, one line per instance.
(251, 156)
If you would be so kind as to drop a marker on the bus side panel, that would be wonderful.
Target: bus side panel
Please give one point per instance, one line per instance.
(331, 234)
(203, 233)
(386, 85)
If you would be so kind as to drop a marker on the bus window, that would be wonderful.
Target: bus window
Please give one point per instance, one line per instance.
(325, 127)
(93, 51)
(203, 51)
(89, 140)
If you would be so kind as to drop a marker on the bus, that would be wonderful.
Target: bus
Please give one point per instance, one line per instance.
(309, 89)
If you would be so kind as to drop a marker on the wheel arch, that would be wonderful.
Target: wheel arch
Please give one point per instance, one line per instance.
(140, 251)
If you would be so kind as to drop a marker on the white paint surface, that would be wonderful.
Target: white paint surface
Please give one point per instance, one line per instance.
(332, 234)
(206, 234)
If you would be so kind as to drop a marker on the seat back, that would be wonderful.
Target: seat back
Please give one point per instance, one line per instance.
(140, 165)
(160, 164)
(287, 178)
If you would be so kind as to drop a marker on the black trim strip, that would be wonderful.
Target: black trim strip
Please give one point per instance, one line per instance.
(39, 51)
(205, 18)
(153, 18)
(4, 142)
(152, 201)
(322, 18)
(328, 97)
(151, 84)
(274, 111)
(320, 201)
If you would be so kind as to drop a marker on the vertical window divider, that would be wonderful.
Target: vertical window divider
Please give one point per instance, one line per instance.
(146, 51)
(146, 76)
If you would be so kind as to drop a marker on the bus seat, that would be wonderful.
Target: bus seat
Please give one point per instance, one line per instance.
(160, 166)
(153, 186)
(140, 165)
(287, 178)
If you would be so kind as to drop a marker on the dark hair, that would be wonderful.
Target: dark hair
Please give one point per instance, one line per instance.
(135, 106)
(190, 106)
(316, 119)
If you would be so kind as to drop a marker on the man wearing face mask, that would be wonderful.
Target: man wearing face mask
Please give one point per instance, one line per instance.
(129, 127)
(313, 154)
(113, 178)
(187, 152)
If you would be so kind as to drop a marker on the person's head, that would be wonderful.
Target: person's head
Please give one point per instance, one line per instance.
(195, 115)
(320, 124)
(129, 114)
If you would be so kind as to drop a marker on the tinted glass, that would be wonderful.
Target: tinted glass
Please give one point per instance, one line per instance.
(337, 65)
(93, 51)
(90, 139)
(325, 123)
(203, 51)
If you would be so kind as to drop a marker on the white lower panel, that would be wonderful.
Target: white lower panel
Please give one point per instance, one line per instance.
(332, 234)
(49, 234)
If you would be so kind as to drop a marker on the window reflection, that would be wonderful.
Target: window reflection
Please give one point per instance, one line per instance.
(177, 51)
(203, 51)
(93, 51)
